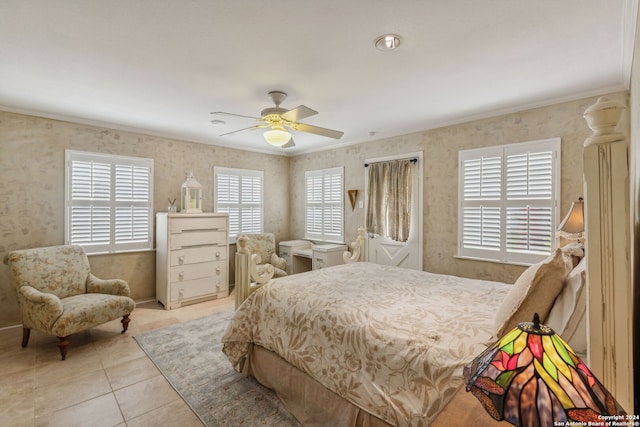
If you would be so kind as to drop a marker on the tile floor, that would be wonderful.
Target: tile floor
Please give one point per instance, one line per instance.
(106, 380)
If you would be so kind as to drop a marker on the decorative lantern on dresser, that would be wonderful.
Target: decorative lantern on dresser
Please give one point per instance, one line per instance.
(191, 195)
(191, 258)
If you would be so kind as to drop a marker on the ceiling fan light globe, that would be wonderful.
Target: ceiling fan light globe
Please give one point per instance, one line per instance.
(277, 137)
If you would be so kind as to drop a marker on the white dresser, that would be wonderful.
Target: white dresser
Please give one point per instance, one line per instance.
(191, 258)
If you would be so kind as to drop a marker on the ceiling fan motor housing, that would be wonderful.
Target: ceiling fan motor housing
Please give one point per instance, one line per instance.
(276, 111)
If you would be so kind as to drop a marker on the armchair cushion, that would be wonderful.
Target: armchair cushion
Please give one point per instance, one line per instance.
(88, 310)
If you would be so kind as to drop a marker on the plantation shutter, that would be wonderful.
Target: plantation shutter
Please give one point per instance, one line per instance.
(108, 202)
(481, 213)
(324, 205)
(228, 199)
(508, 199)
(239, 192)
(251, 210)
(132, 219)
(530, 202)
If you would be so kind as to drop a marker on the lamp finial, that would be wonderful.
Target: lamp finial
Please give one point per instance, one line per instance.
(536, 321)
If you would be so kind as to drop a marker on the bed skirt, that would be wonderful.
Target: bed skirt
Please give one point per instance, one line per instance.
(309, 401)
(316, 406)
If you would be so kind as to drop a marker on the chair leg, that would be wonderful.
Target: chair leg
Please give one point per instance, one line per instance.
(26, 333)
(63, 344)
(125, 323)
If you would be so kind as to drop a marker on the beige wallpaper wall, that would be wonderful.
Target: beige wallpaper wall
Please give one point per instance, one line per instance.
(440, 182)
(32, 190)
(32, 181)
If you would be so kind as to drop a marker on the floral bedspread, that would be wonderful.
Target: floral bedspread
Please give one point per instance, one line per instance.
(391, 341)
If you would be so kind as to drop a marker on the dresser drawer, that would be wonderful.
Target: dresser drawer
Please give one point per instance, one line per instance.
(197, 254)
(179, 225)
(197, 288)
(181, 273)
(197, 238)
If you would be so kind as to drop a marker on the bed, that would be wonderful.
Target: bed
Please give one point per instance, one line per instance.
(363, 344)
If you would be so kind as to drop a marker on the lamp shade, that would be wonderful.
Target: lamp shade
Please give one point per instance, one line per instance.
(277, 136)
(531, 377)
(573, 223)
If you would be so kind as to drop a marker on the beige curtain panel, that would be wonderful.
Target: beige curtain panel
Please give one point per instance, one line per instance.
(389, 199)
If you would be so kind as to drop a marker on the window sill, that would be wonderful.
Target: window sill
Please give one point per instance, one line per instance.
(468, 258)
(121, 252)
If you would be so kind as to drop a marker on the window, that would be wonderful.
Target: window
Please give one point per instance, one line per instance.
(239, 193)
(324, 205)
(508, 197)
(108, 202)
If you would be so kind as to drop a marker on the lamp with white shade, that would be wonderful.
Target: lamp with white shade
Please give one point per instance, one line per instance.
(572, 226)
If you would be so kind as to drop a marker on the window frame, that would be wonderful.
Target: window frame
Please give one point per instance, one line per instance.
(545, 208)
(111, 203)
(219, 206)
(325, 235)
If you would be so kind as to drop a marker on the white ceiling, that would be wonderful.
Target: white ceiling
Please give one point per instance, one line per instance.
(161, 66)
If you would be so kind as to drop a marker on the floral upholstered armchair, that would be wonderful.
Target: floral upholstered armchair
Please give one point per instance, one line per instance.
(59, 296)
(264, 245)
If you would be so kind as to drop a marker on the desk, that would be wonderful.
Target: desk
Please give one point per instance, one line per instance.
(294, 263)
(302, 255)
(326, 255)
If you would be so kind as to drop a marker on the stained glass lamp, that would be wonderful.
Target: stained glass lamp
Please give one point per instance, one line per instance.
(531, 377)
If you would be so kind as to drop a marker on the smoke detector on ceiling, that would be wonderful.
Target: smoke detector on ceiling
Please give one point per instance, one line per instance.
(387, 42)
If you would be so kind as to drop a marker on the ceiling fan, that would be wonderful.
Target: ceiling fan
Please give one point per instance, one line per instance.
(278, 120)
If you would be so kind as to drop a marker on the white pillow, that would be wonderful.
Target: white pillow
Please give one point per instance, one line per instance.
(568, 317)
(575, 334)
(566, 302)
(534, 292)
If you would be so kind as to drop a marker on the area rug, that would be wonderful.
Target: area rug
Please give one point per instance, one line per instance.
(190, 356)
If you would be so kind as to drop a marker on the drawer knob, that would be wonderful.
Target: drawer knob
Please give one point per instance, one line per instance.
(218, 254)
(181, 275)
(181, 259)
(218, 270)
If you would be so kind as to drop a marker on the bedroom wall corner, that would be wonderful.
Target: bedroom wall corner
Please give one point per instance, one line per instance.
(440, 181)
(32, 190)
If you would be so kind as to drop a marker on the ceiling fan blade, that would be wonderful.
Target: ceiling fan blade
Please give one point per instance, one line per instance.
(233, 114)
(241, 130)
(302, 127)
(289, 144)
(298, 113)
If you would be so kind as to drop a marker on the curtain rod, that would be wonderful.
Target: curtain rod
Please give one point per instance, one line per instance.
(413, 160)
